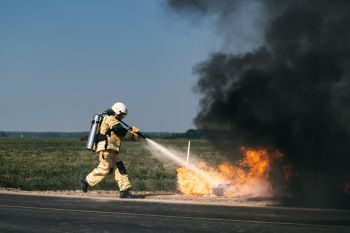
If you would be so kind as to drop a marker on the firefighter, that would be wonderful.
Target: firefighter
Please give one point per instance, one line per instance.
(108, 145)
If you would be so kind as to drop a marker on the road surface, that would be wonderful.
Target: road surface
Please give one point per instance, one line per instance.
(28, 213)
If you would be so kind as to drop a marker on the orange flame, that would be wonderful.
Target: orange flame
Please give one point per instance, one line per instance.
(248, 178)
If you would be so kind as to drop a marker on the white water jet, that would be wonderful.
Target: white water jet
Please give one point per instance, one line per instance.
(175, 158)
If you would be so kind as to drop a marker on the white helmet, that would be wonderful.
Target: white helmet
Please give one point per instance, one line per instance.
(120, 110)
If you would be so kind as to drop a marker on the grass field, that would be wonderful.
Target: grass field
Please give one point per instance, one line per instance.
(59, 164)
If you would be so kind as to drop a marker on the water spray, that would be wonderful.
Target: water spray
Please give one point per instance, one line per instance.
(176, 159)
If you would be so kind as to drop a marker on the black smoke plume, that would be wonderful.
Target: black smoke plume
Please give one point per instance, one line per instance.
(291, 93)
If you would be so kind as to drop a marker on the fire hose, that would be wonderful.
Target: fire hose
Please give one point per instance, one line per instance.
(130, 128)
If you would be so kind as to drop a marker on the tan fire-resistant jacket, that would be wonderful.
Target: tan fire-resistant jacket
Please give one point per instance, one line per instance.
(113, 141)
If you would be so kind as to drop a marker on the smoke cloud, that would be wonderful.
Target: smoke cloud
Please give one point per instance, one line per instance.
(291, 93)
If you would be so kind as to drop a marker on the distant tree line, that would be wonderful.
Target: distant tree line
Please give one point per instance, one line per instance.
(191, 133)
(42, 134)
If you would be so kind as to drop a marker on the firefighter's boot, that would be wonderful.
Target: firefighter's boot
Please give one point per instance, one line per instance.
(84, 185)
(125, 193)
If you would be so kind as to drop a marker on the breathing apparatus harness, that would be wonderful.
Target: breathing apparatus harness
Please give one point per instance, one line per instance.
(94, 135)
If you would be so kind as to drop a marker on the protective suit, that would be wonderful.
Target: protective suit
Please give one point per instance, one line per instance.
(108, 146)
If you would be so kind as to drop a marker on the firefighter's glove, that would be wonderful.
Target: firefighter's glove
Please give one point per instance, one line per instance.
(135, 133)
(134, 129)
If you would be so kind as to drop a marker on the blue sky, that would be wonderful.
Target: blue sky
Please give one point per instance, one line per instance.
(63, 61)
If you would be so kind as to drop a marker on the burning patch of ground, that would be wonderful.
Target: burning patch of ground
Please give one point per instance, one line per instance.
(249, 177)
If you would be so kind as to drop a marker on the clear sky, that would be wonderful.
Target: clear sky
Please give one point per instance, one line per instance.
(62, 61)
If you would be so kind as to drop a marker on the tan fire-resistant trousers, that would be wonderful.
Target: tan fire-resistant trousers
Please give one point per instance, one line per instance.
(109, 161)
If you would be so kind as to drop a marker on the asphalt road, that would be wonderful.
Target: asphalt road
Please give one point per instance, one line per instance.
(26, 213)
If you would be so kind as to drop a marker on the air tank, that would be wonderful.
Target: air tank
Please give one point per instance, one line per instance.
(95, 125)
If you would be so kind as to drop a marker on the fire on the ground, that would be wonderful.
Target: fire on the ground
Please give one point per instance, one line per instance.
(249, 177)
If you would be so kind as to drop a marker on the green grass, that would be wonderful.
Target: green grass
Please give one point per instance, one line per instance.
(59, 164)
